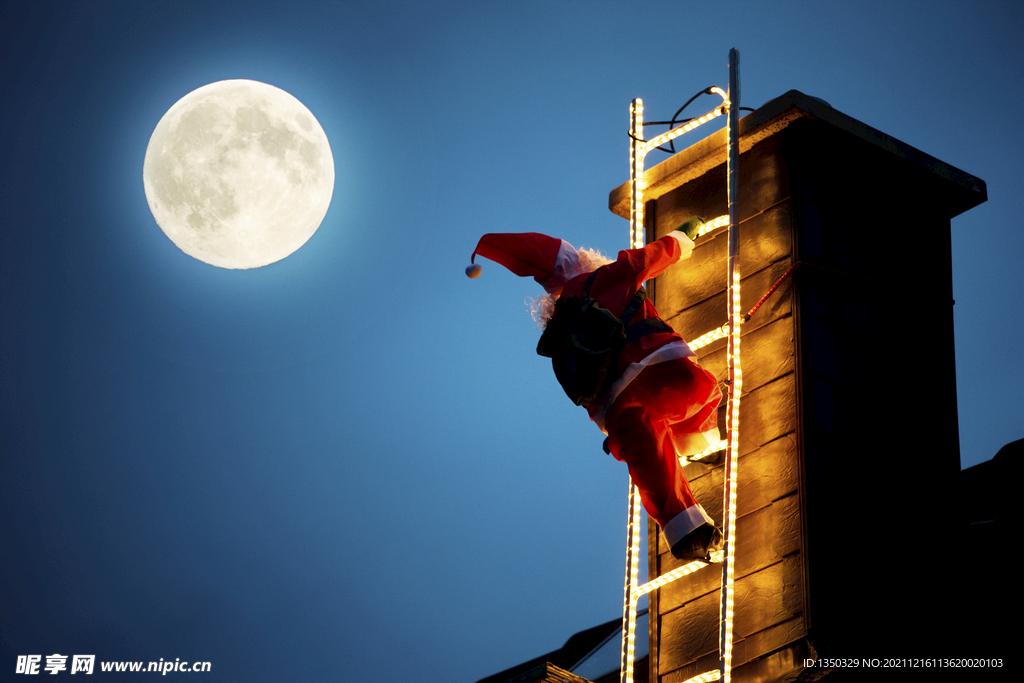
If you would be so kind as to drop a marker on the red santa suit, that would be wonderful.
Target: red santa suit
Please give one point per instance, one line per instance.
(662, 403)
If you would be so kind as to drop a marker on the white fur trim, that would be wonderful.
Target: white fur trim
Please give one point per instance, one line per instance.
(685, 522)
(685, 243)
(671, 351)
(564, 269)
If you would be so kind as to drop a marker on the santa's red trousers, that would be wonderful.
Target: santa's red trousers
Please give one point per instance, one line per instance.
(676, 397)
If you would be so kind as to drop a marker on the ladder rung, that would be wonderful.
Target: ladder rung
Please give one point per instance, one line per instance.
(705, 339)
(713, 224)
(677, 573)
(697, 457)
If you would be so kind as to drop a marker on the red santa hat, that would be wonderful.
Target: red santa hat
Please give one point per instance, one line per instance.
(548, 260)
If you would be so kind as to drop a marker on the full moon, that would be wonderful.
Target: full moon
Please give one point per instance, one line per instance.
(238, 174)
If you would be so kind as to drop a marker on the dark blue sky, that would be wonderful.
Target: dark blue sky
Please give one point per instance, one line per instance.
(351, 464)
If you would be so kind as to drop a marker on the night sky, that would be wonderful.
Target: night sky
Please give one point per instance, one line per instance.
(351, 465)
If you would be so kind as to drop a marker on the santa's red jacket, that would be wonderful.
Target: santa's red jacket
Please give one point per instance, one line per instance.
(614, 287)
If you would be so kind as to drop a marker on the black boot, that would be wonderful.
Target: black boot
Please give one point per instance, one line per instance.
(698, 544)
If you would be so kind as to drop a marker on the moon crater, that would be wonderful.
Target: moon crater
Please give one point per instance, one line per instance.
(238, 174)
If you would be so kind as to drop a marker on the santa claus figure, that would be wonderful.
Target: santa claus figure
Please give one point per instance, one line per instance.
(650, 397)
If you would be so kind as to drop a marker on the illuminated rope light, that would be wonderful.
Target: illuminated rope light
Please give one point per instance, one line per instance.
(713, 224)
(659, 140)
(732, 460)
(676, 132)
(697, 457)
(629, 608)
(708, 337)
(706, 677)
(677, 573)
(636, 174)
(637, 151)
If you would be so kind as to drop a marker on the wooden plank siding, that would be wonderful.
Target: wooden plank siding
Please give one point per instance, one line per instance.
(692, 297)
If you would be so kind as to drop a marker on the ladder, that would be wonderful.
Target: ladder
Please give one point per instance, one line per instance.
(638, 150)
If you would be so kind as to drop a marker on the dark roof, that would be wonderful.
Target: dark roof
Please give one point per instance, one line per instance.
(578, 645)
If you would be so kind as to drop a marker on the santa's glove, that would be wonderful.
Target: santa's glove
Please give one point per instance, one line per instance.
(691, 227)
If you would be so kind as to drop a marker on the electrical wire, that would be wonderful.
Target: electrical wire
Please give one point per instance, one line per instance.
(676, 121)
